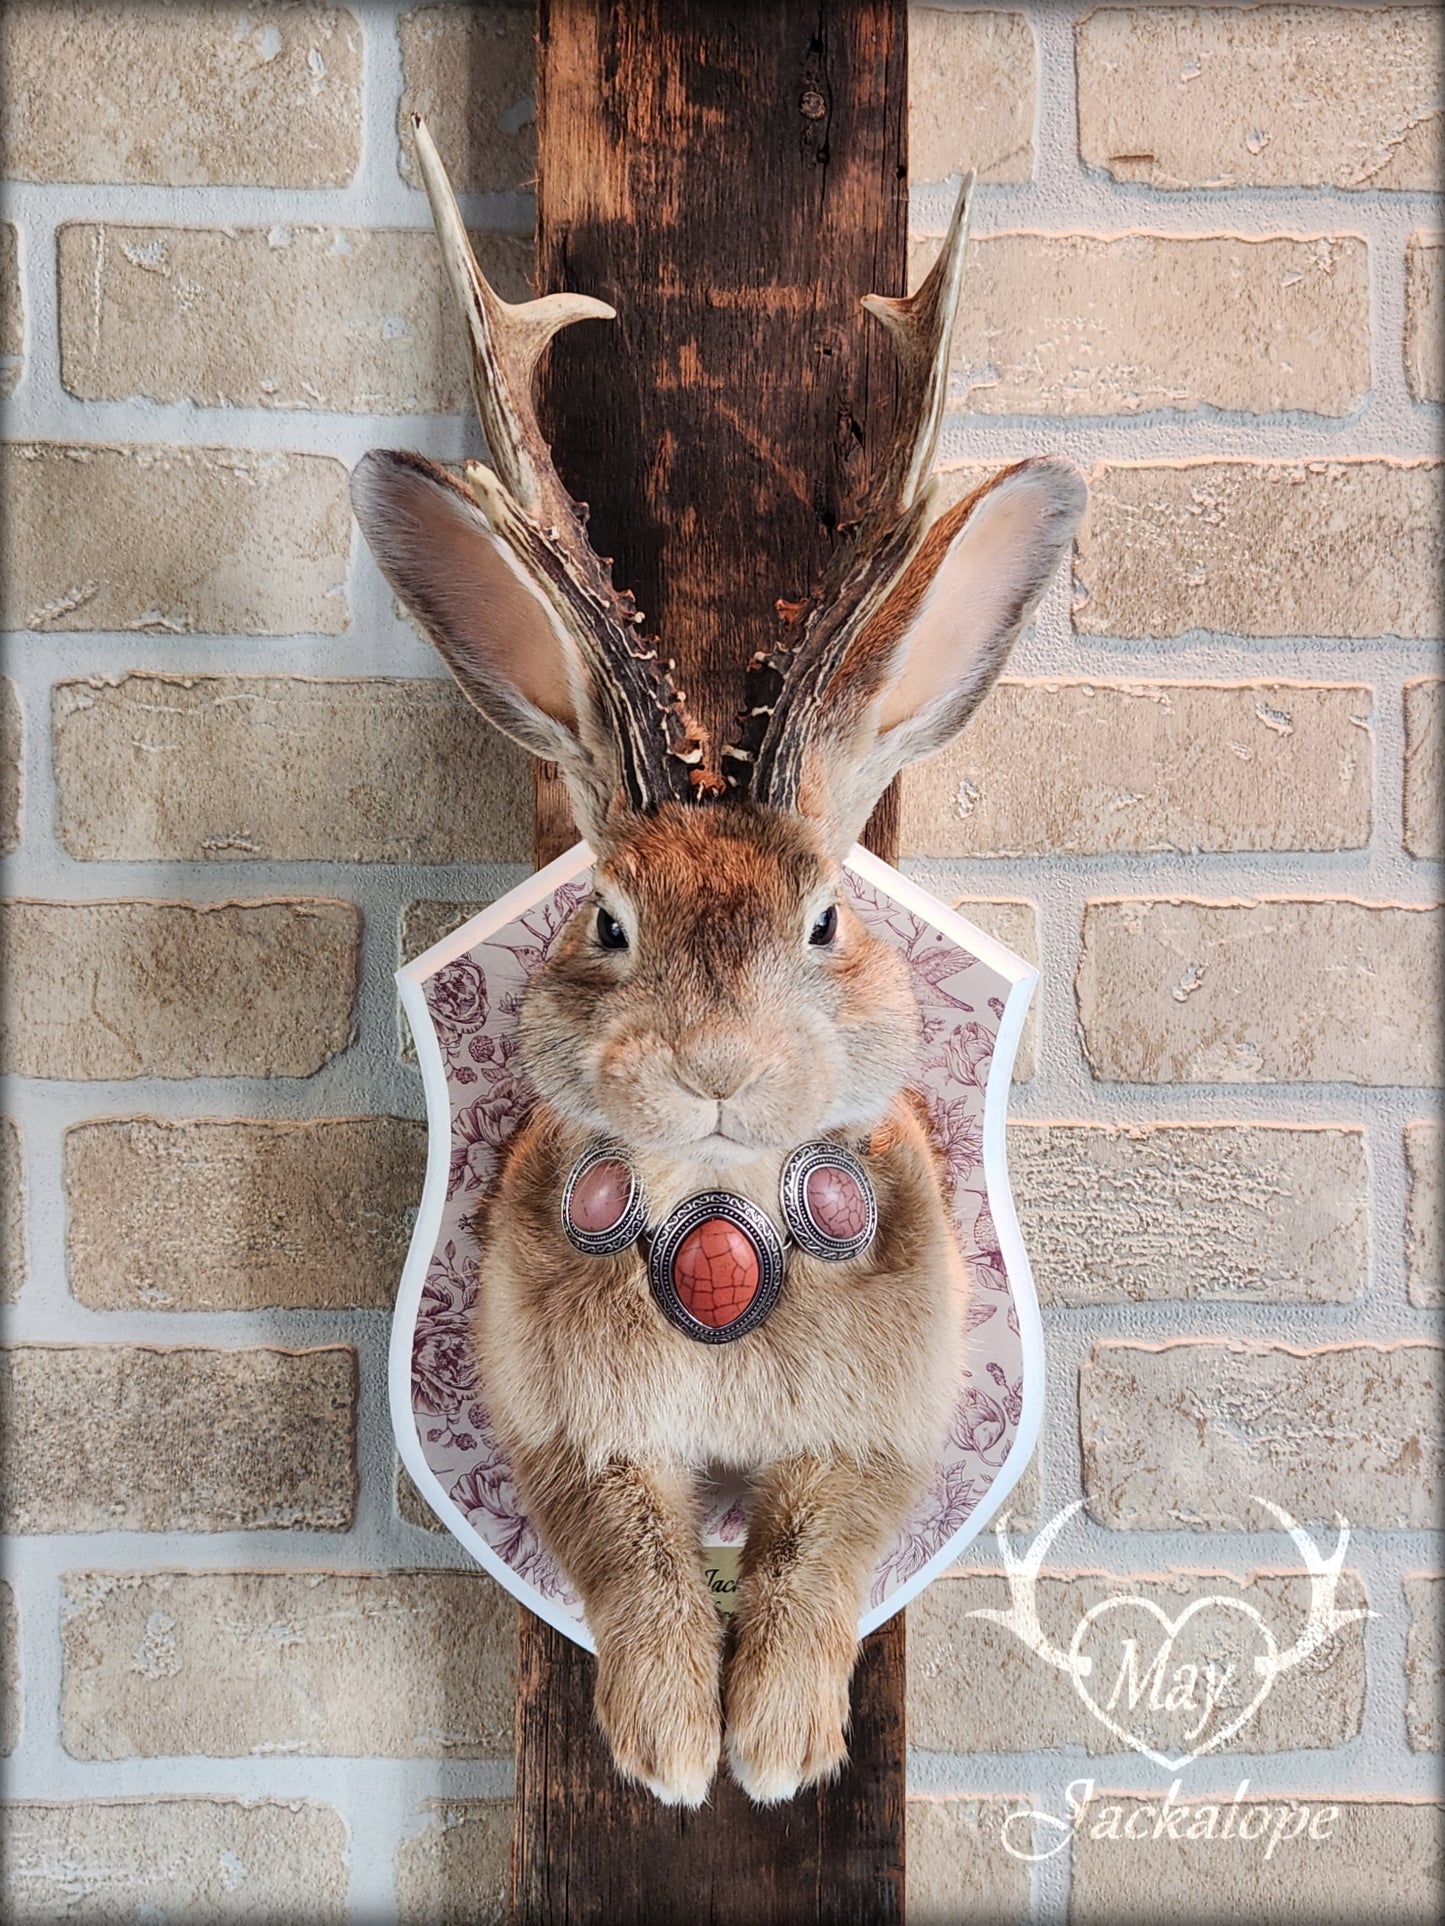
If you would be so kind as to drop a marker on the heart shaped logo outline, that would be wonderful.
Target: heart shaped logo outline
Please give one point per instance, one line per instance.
(1080, 1665)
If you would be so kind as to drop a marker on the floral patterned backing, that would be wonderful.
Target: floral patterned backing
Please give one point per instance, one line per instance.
(473, 1003)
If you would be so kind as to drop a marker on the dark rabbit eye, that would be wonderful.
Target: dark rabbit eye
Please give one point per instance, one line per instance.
(826, 927)
(610, 933)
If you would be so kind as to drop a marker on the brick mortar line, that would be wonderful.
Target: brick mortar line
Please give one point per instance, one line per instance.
(1390, 429)
(1219, 875)
(1104, 206)
(365, 202)
(1049, 651)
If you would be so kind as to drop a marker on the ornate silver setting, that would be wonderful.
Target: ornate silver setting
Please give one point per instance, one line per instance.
(804, 1228)
(668, 1239)
(629, 1226)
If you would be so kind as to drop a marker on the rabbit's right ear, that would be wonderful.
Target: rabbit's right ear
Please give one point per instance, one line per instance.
(492, 626)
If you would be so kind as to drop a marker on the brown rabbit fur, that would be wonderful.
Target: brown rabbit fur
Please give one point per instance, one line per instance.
(720, 1017)
(717, 1040)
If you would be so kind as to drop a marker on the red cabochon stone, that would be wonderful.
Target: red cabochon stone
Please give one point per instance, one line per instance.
(600, 1197)
(716, 1272)
(835, 1202)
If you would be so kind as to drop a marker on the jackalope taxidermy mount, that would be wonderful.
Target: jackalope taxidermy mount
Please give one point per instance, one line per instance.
(723, 1145)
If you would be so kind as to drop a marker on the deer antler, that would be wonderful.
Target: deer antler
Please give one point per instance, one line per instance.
(785, 684)
(921, 325)
(524, 501)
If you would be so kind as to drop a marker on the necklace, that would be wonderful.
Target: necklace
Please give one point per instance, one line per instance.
(716, 1264)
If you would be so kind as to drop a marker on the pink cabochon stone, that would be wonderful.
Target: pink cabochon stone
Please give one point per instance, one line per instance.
(835, 1202)
(600, 1197)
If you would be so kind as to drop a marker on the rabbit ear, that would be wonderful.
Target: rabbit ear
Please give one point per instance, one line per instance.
(919, 666)
(494, 629)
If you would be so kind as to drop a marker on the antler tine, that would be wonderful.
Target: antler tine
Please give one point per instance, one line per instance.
(786, 684)
(524, 501)
(921, 325)
(506, 340)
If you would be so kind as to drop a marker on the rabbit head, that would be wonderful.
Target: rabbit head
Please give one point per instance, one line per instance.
(718, 995)
(719, 999)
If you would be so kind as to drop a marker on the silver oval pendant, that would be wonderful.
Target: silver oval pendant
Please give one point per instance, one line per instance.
(603, 1208)
(828, 1201)
(716, 1266)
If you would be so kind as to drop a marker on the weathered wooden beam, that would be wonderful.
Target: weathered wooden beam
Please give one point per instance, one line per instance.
(732, 176)
(590, 1849)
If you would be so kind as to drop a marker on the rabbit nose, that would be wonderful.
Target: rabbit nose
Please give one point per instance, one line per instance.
(716, 1075)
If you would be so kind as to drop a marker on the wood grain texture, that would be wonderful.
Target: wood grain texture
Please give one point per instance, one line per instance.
(590, 1849)
(732, 176)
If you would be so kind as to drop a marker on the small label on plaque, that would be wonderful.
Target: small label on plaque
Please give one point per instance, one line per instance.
(720, 1565)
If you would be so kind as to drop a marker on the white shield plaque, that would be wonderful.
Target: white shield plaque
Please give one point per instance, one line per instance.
(462, 999)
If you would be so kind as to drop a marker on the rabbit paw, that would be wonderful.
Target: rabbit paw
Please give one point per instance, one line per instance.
(787, 1710)
(657, 1702)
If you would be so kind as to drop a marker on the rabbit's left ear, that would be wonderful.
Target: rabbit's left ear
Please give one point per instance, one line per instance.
(919, 667)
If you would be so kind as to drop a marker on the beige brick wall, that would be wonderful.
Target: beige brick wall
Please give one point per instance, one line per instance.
(987, 58)
(1274, 990)
(1425, 316)
(1088, 324)
(468, 71)
(128, 989)
(10, 1720)
(235, 789)
(12, 318)
(208, 1215)
(185, 97)
(1277, 96)
(346, 318)
(1187, 1432)
(1424, 794)
(1153, 1213)
(12, 1211)
(179, 1439)
(455, 1868)
(1425, 1214)
(957, 1867)
(1262, 548)
(11, 750)
(215, 768)
(176, 1858)
(1345, 1861)
(1090, 768)
(1425, 1663)
(443, 1643)
(173, 540)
